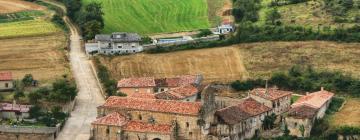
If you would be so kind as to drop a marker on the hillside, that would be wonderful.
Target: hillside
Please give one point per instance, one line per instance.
(239, 61)
(147, 16)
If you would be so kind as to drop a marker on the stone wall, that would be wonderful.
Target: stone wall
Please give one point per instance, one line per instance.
(25, 136)
(28, 133)
(294, 124)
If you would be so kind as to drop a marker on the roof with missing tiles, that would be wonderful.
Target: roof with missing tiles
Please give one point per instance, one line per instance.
(303, 111)
(137, 82)
(270, 93)
(178, 93)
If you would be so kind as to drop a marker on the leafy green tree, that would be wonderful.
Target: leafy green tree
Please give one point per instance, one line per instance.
(348, 3)
(286, 131)
(94, 12)
(35, 112)
(269, 121)
(63, 91)
(34, 97)
(272, 16)
(58, 114)
(302, 130)
(92, 28)
(27, 80)
(204, 32)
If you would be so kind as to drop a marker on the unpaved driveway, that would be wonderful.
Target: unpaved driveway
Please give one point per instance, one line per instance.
(89, 96)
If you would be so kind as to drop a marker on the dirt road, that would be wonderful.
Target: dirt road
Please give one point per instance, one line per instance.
(77, 127)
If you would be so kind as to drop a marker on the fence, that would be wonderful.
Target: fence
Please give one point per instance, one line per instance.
(30, 129)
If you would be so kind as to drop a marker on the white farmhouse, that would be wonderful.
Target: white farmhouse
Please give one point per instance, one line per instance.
(224, 29)
(116, 43)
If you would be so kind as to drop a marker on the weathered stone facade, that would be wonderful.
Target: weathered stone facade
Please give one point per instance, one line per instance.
(276, 99)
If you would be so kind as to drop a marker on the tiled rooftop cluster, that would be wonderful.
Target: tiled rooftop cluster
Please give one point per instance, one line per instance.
(161, 82)
(246, 109)
(270, 93)
(117, 119)
(6, 76)
(14, 107)
(155, 105)
(178, 93)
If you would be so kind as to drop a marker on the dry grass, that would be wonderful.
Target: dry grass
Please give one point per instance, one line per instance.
(262, 59)
(10, 6)
(218, 64)
(348, 115)
(254, 60)
(42, 56)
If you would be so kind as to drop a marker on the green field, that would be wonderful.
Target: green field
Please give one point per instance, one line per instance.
(154, 16)
(27, 28)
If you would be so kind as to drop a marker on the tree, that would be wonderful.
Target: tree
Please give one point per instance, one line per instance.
(269, 121)
(347, 3)
(27, 80)
(63, 91)
(34, 97)
(94, 12)
(273, 15)
(286, 131)
(35, 112)
(91, 29)
(57, 113)
(302, 130)
(204, 32)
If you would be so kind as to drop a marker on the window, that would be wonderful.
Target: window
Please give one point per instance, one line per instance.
(140, 117)
(6, 85)
(295, 124)
(132, 46)
(274, 105)
(133, 50)
(119, 47)
(190, 133)
(126, 51)
(136, 89)
(187, 124)
(107, 131)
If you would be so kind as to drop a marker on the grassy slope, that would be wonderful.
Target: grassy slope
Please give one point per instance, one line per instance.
(148, 16)
(348, 115)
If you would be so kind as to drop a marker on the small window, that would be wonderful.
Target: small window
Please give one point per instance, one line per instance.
(6, 85)
(119, 47)
(190, 133)
(187, 124)
(295, 124)
(126, 51)
(133, 50)
(136, 89)
(187, 100)
(107, 131)
(132, 46)
(140, 117)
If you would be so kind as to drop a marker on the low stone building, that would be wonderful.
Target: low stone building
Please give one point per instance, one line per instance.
(14, 111)
(274, 98)
(150, 112)
(239, 122)
(116, 43)
(305, 110)
(6, 81)
(155, 85)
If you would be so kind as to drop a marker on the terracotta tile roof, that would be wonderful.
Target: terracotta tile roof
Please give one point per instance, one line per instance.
(178, 81)
(142, 95)
(155, 105)
(178, 93)
(316, 99)
(15, 108)
(137, 82)
(303, 111)
(6, 76)
(270, 93)
(246, 109)
(148, 127)
(115, 119)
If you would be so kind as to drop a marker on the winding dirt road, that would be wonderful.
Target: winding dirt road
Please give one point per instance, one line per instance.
(89, 96)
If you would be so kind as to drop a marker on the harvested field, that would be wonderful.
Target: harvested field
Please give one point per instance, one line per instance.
(348, 115)
(42, 56)
(254, 60)
(10, 6)
(218, 64)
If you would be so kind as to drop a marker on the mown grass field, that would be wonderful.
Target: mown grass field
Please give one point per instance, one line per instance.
(42, 56)
(149, 16)
(27, 28)
(252, 60)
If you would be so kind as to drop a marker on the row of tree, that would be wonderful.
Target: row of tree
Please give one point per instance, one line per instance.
(89, 17)
(304, 79)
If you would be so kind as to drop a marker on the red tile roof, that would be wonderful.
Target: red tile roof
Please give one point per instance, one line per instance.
(155, 105)
(178, 93)
(270, 93)
(148, 127)
(6, 76)
(137, 82)
(115, 119)
(246, 109)
(303, 111)
(178, 81)
(15, 108)
(142, 95)
(315, 100)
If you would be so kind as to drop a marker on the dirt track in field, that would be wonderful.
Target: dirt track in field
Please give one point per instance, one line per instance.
(10, 6)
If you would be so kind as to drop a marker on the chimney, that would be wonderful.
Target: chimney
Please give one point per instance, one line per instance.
(266, 86)
(322, 88)
(14, 103)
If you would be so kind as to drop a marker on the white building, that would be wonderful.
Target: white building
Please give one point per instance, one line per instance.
(116, 43)
(6, 81)
(224, 29)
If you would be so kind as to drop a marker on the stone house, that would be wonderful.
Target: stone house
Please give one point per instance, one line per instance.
(240, 121)
(116, 43)
(14, 111)
(6, 81)
(154, 119)
(155, 85)
(305, 110)
(274, 98)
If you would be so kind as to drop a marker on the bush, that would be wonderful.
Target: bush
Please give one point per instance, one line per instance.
(348, 130)
(204, 32)
(104, 76)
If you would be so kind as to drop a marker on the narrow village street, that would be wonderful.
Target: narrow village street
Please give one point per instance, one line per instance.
(77, 127)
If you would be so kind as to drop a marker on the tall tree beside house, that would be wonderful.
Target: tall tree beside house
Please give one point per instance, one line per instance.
(269, 121)
(91, 29)
(27, 80)
(91, 21)
(94, 12)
